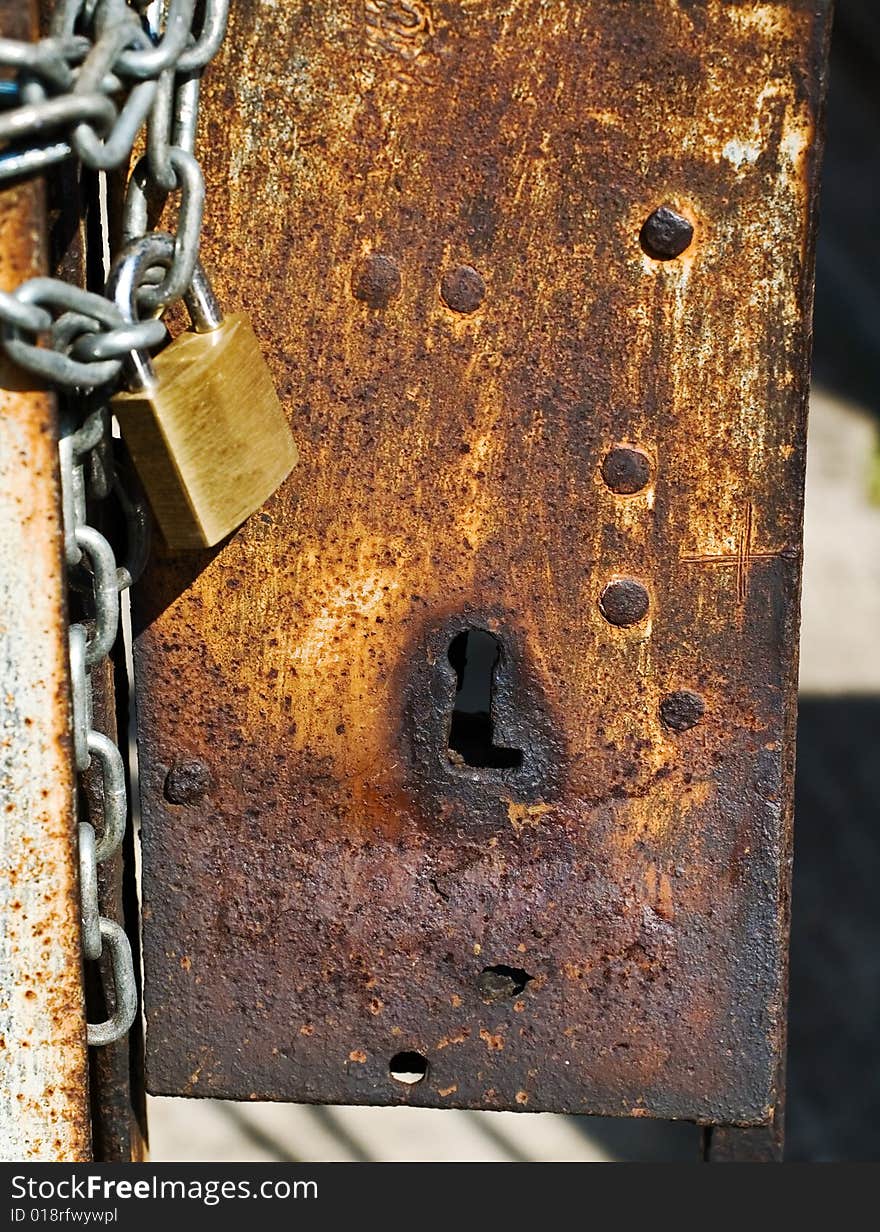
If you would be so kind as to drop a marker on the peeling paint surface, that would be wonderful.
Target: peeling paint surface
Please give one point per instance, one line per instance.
(433, 214)
(43, 1074)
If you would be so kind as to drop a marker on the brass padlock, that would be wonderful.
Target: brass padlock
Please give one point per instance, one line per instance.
(201, 419)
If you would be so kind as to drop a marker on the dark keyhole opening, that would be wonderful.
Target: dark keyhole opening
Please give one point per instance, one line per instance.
(474, 654)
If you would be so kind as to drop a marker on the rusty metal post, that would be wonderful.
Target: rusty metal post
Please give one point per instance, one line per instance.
(43, 1063)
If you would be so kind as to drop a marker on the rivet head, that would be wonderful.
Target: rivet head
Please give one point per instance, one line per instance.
(462, 289)
(625, 470)
(624, 602)
(666, 234)
(682, 710)
(187, 782)
(376, 280)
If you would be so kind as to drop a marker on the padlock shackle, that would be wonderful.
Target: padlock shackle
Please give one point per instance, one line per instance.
(201, 303)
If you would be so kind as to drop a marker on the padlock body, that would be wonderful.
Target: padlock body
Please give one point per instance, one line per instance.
(208, 438)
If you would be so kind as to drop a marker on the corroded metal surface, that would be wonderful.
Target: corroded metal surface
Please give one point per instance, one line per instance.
(443, 221)
(43, 1073)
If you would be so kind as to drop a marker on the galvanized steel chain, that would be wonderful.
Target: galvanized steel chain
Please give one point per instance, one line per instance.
(88, 471)
(107, 68)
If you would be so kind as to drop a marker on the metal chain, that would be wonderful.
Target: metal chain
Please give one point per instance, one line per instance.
(86, 92)
(89, 446)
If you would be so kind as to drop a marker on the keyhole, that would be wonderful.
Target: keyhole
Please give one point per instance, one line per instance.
(475, 654)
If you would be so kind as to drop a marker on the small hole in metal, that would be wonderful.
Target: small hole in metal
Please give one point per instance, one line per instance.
(500, 982)
(408, 1067)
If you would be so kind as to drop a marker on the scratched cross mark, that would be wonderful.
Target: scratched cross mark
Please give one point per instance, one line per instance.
(743, 558)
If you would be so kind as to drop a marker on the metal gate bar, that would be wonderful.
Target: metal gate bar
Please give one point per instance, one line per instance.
(43, 1071)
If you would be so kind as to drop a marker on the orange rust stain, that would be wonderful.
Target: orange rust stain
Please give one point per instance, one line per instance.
(495, 1043)
(521, 815)
(448, 1040)
(660, 816)
(658, 893)
(664, 907)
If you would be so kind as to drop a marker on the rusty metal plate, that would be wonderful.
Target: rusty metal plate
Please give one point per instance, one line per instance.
(437, 217)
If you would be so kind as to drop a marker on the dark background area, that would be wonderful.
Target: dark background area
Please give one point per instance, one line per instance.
(834, 1011)
(847, 320)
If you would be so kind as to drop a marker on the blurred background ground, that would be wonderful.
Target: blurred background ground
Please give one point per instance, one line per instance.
(834, 1078)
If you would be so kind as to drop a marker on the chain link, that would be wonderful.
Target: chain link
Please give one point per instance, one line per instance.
(191, 183)
(87, 448)
(86, 92)
(88, 647)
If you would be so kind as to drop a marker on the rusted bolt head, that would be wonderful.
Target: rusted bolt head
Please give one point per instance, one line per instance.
(626, 470)
(682, 710)
(462, 289)
(186, 782)
(376, 280)
(624, 602)
(666, 234)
